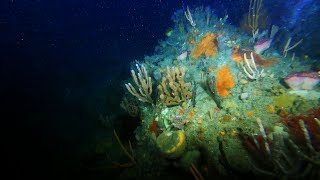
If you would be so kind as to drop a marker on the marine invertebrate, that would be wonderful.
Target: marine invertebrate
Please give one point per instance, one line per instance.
(250, 68)
(201, 138)
(130, 154)
(181, 111)
(302, 80)
(297, 155)
(253, 16)
(143, 81)
(270, 109)
(225, 81)
(172, 143)
(297, 125)
(211, 113)
(195, 172)
(178, 121)
(276, 155)
(208, 46)
(130, 106)
(249, 113)
(154, 127)
(191, 114)
(188, 16)
(286, 48)
(173, 90)
(257, 19)
(238, 56)
(288, 161)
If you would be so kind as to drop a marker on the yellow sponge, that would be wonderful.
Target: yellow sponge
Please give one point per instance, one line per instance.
(172, 143)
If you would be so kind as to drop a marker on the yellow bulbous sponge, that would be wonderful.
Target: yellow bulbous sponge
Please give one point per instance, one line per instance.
(172, 143)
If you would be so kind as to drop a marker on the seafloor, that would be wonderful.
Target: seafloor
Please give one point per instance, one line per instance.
(205, 111)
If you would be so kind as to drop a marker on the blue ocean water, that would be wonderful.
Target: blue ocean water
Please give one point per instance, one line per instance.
(64, 66)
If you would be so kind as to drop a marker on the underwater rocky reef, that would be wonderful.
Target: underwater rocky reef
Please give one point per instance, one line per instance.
(217, 100)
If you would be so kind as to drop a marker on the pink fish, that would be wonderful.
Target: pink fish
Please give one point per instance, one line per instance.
(302, 80)
(262, 45)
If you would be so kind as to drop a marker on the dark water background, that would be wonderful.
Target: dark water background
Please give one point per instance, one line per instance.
(62, 63)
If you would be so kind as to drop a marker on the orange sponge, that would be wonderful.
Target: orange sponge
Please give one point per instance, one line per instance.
(208, 46)
(225, 81)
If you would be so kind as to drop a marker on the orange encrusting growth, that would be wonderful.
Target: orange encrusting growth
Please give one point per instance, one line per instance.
(208, 46)
(249, 113)
(153, 127)
(225, 81)
(237, 56)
